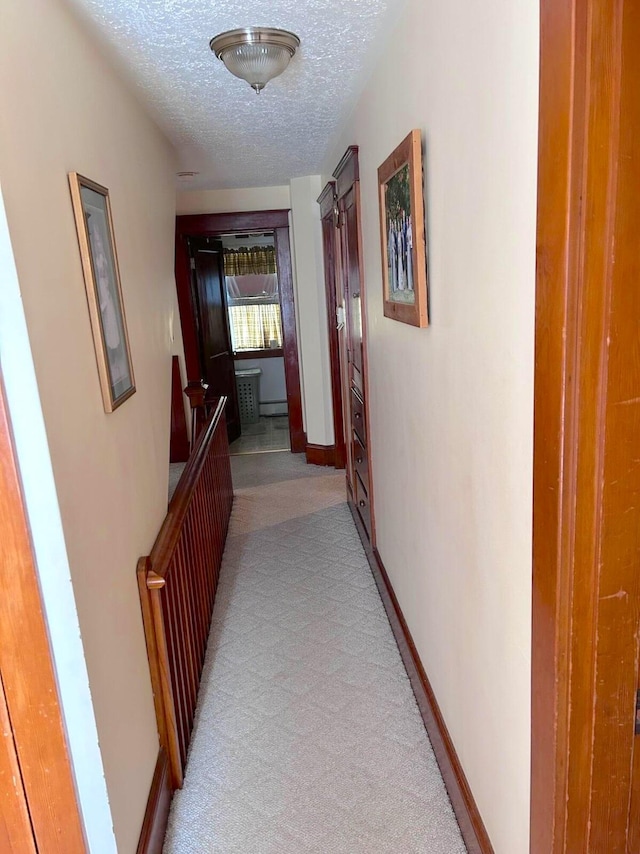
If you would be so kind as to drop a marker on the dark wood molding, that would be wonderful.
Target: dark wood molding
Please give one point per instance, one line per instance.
(156, 815)
(185, 307)
(259, 354)
(347, 172)
(327, 199)
(211, 225)
(464, 806)
(321, 455)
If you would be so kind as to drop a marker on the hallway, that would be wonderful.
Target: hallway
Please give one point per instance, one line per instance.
(307, 734)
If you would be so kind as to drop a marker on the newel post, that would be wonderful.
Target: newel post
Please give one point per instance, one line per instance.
(196, 392)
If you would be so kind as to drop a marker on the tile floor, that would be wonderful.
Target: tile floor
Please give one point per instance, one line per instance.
(271, 433)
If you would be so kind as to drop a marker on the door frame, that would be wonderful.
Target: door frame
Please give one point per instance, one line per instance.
(328, 201)
(215, 225)
(28, 675)
(585, 517)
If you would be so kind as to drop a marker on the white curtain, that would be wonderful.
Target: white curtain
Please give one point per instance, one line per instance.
(255, 327)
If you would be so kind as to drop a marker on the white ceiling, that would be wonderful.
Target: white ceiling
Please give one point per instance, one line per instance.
(219, 126)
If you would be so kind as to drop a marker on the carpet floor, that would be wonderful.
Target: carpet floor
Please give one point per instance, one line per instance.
(307, 737)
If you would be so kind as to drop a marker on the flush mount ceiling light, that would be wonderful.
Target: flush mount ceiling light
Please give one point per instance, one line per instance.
(255, 54)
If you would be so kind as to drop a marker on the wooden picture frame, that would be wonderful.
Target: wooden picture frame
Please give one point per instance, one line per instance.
(92, 211)
(402, 233)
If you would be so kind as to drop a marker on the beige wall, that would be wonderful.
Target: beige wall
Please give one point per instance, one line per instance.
(63, 109)
(451, 405)
(222, 201)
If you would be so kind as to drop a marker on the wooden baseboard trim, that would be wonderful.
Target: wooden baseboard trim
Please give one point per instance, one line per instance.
(157, 812)
(471, 825)
(321, 455)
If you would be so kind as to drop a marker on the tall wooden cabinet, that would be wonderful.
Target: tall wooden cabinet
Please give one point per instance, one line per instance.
(343, 258)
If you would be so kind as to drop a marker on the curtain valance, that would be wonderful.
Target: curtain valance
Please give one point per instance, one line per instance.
(255, 260)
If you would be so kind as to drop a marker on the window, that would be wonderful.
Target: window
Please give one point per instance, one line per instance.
(254, 311)
(255, 326)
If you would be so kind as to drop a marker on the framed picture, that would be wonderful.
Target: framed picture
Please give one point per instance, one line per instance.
(104, 292)
(402, 233)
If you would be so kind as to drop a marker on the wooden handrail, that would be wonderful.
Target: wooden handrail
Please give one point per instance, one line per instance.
(177, 583)
(167, 538)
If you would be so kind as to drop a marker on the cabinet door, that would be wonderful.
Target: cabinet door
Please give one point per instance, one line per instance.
(333, 288)
(351, 279)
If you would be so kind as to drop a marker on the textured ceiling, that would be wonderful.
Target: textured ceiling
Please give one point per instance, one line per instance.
(219, 126)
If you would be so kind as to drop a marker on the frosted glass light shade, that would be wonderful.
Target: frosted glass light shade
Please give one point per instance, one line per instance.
(255, 54)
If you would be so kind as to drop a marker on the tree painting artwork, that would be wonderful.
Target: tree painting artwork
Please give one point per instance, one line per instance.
(399, 237)
(92, 210)
(402, 233)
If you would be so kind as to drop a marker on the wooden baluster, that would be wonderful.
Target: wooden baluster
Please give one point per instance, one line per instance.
(178, 581)
(186, 568)
(186, 644)
(185, 582)
(209, 538)
(199, 592)
(176, 670)
(201, 580)
(172, 746)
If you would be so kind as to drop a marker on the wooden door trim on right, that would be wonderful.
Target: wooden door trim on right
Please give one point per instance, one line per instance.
(586, 549)
(213, 225)
(16, 833)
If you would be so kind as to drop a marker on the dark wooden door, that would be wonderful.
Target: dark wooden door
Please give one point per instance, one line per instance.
(213, 328)
(334, 298)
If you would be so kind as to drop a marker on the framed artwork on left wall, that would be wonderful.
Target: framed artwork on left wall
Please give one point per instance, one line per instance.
(94, 224)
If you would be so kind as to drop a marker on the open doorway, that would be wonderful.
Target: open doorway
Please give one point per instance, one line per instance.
(235, 293)
(254, 318)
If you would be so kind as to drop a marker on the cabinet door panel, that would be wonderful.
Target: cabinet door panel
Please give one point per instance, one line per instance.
(352, 296)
